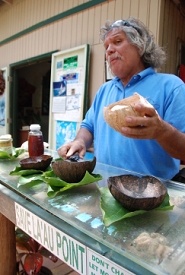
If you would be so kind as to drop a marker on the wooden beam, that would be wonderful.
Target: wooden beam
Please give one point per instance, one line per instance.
(10, 2)
(8, 246)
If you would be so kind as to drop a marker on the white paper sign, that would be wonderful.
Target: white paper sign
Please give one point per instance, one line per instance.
(61, 245)
(59, 104)
(100, 265)
(81, 258)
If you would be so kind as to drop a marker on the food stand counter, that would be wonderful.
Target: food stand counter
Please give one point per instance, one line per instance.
(70, 225)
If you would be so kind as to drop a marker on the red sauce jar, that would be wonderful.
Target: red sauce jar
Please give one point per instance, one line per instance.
(35, 141)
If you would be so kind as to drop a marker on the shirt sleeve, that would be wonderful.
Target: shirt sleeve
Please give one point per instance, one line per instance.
(88, 121)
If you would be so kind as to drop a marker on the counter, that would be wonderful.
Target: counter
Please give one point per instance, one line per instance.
(70, 226)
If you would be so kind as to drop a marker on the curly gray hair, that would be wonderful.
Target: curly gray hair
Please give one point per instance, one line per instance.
(138, 35)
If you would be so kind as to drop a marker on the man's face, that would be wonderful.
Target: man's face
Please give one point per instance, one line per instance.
(123, 58)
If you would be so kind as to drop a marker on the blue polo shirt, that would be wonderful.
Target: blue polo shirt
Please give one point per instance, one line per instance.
(166, 92)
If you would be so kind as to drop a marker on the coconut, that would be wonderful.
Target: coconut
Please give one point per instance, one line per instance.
(115, 113)
(73, 171)
(37, 162)
(137, 193)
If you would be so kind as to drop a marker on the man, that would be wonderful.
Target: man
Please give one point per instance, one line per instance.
(153, 144)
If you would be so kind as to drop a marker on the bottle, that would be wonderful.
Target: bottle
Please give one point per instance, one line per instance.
(35, 141)
(6, 144)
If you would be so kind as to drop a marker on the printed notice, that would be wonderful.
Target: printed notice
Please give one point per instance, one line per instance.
(59, 104)
(65, 132)
(71, 62)
(67, 249)
(81, 258)
(99, 265)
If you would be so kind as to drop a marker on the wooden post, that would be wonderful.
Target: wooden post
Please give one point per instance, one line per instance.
(7, 247)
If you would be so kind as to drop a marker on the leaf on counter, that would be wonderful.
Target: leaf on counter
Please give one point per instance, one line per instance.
(52, 179)
(56, 185)
(15, 154)
(113, 211)
(30, 178)
(53, 191)
(165, 205)
(30, 181)
(18, 171)
(4, 155)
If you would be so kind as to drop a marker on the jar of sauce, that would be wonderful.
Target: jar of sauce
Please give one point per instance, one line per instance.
(6, 144)
(35, 141)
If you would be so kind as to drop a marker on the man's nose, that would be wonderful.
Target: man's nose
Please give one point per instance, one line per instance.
(110, 49)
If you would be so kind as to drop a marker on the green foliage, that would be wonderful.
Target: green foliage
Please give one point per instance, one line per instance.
(113, 211)
(30, 178)
(15, 154)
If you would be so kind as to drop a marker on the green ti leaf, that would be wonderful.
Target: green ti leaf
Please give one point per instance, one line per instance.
(113, 211)
(15, 154)
(56, 185)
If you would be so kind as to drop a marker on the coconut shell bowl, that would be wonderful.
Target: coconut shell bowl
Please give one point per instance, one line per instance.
(37, 163)
(73, 169)
(137, 193)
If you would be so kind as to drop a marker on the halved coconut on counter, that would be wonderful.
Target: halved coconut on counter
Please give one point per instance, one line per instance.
(115, 113)
(73, 169)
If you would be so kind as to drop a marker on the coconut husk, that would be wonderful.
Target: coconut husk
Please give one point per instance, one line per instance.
(115, 113)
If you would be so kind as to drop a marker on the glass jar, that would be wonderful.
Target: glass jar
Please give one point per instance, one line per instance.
(35, 141)
(6, 144)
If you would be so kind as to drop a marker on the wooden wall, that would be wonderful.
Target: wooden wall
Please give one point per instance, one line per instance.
(81, 28)
(172, 31)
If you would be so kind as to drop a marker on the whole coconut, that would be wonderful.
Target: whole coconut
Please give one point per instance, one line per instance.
(115, 113)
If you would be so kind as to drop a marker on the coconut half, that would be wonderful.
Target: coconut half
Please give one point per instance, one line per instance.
(115, 113)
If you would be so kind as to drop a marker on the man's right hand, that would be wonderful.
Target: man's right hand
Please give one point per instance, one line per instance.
(69, 149)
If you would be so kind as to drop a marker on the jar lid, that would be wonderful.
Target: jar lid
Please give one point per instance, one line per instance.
(34, 127)
(5, 138)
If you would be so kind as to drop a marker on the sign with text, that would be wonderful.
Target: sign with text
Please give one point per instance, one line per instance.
(61, 245)
(81, 258)
(100, 265)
